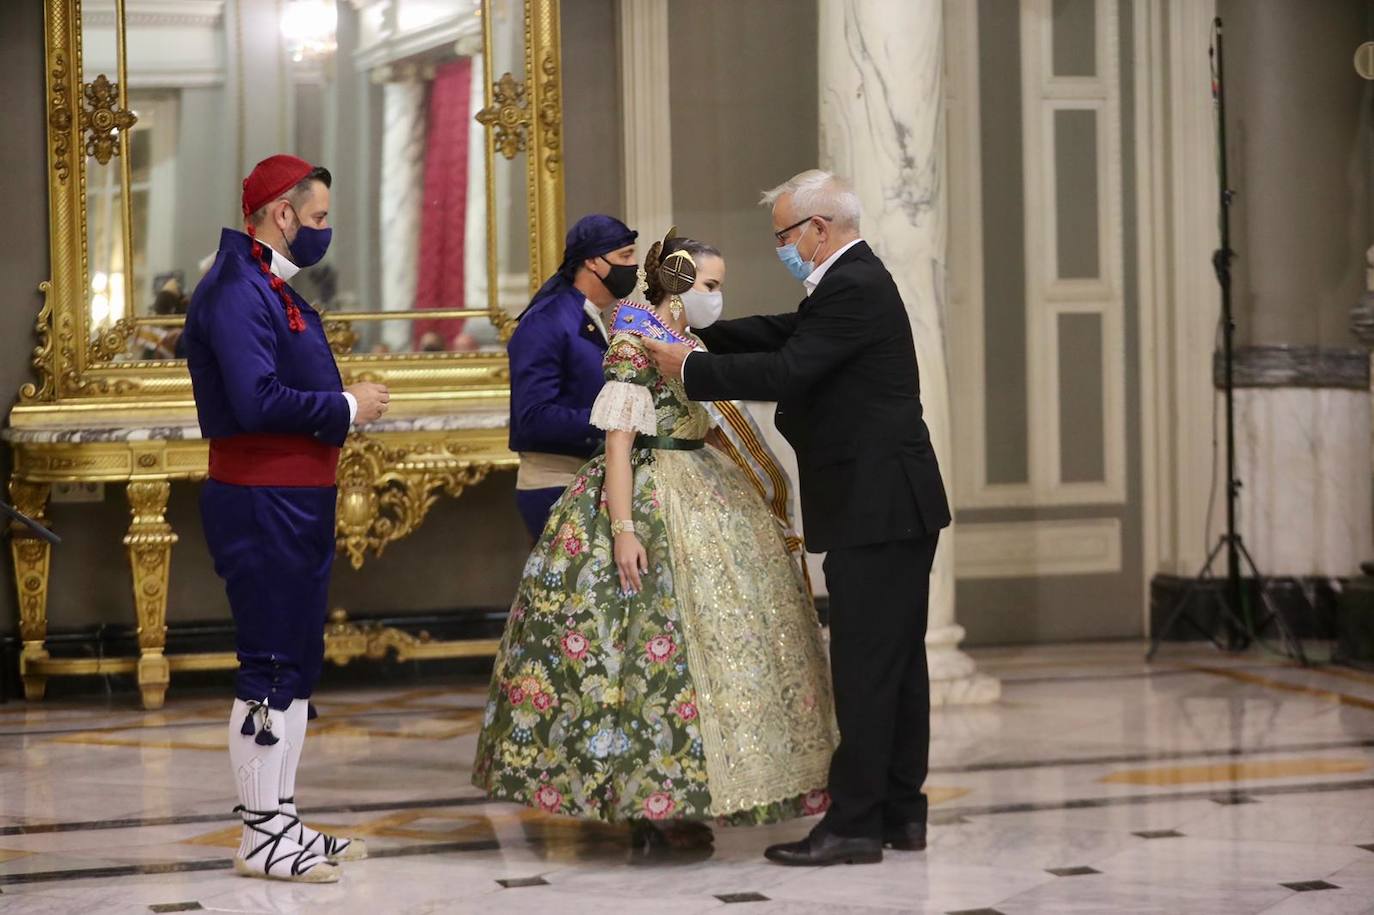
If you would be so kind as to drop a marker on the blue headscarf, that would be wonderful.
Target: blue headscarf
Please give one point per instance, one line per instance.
(591, 236)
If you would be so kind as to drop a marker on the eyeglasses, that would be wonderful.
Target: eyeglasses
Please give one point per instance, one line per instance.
(781, 234)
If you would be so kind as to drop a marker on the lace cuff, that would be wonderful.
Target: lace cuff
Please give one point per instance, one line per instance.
(624, 407)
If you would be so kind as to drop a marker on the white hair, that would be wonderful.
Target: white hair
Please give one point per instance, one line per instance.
(820, 193)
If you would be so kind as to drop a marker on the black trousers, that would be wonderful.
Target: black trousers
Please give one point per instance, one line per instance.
(879, 600)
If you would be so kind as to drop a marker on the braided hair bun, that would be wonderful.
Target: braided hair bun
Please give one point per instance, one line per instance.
(658, 290)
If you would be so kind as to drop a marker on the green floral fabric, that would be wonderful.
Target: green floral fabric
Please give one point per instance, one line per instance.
(593, 709)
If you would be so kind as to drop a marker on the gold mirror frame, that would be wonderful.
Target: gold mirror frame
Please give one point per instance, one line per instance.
(523, 113)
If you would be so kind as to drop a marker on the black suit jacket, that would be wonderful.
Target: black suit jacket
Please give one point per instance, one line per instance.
(842, 369)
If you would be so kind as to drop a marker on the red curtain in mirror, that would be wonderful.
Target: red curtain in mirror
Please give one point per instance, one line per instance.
(444, 221)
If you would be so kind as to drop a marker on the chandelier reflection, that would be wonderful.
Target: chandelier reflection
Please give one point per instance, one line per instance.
(309, 28)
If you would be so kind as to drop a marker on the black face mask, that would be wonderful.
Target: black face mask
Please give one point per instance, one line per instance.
(621, 279)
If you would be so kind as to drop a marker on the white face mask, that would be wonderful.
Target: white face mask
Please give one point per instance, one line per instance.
(702, 308)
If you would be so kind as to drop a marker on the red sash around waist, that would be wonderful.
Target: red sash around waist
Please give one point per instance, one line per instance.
(273, 460)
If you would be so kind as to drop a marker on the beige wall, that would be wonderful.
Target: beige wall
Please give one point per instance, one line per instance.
(744, 109)
(591, 109)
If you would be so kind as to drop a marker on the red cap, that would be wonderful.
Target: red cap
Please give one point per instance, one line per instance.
(271, 178)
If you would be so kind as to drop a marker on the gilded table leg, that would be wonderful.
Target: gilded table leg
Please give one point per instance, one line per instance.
(150, 540)
(31, 563)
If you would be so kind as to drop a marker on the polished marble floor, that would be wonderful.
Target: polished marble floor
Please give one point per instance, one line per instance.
(1099, 784)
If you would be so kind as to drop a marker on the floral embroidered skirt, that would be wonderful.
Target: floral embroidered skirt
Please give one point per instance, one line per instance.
(706, 695)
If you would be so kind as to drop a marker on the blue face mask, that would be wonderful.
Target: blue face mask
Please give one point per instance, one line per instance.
(793, 261)
(310, 244)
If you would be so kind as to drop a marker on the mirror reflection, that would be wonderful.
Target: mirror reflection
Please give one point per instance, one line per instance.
(383, 93)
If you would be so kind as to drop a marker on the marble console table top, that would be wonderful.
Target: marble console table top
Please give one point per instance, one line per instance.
(101, 430)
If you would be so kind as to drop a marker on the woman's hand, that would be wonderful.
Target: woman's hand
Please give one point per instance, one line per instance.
(631, 560)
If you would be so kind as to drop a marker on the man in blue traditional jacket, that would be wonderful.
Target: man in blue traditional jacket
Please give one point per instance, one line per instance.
(555, 362)
(272, 405)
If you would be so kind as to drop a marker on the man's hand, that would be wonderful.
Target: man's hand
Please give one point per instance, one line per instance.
(373, 400)
(668, 357)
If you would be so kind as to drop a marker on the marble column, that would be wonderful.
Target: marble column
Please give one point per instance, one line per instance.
(475, 248)
(1298, 152)
(647, 105)
(402, 199)
(1362, 327)
(882, 125)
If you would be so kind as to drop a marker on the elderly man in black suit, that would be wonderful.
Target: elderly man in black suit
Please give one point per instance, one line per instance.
(842, 369)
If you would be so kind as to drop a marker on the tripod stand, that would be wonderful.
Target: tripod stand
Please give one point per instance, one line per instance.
(40, 530)
(1230, 602)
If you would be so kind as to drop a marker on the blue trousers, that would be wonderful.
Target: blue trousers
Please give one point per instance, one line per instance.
(534, 505)
(274, 548)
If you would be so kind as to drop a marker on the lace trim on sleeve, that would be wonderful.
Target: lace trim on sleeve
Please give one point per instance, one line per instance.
(625, 407)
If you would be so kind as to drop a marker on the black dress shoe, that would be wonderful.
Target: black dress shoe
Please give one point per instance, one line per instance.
(823, 847)
(907, 837)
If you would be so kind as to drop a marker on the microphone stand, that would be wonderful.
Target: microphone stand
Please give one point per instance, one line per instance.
(1231, 602)
(34, 526)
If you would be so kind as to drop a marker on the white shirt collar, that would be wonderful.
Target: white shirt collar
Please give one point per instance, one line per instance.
(280, 265)
(814, 280)
(595, 314)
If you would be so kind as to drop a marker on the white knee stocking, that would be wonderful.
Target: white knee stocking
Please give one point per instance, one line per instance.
(257, 757)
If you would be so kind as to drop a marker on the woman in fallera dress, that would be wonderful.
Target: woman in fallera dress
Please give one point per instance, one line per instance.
(662, 663)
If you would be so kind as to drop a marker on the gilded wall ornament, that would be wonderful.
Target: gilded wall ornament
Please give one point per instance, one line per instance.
(508, 115)
(102, 119)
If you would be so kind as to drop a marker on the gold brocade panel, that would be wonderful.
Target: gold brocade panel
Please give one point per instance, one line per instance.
(753, 642)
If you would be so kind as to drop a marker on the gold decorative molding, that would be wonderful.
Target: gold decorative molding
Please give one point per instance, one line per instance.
(508, 116)
(340, 334)
(31, 555)
(385, 493)
(113, 341)
(42, 353)
(550, 114)
(150, 541)
(345, 641)
(60, 117)
(102, 119)
(545, 170)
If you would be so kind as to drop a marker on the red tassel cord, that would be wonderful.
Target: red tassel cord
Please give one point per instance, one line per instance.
(294, 320)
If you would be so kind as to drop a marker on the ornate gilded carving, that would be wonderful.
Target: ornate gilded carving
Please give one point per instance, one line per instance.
(344, 641)
(387, 487)
(102, 119)
(385, 493)
(545, 170)
(42, 353)
(31, 556)
(505, 326)
(112, 341)
(340, 334)
(508, 116)
(550, 114)
(60, 117)
(150, 541)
